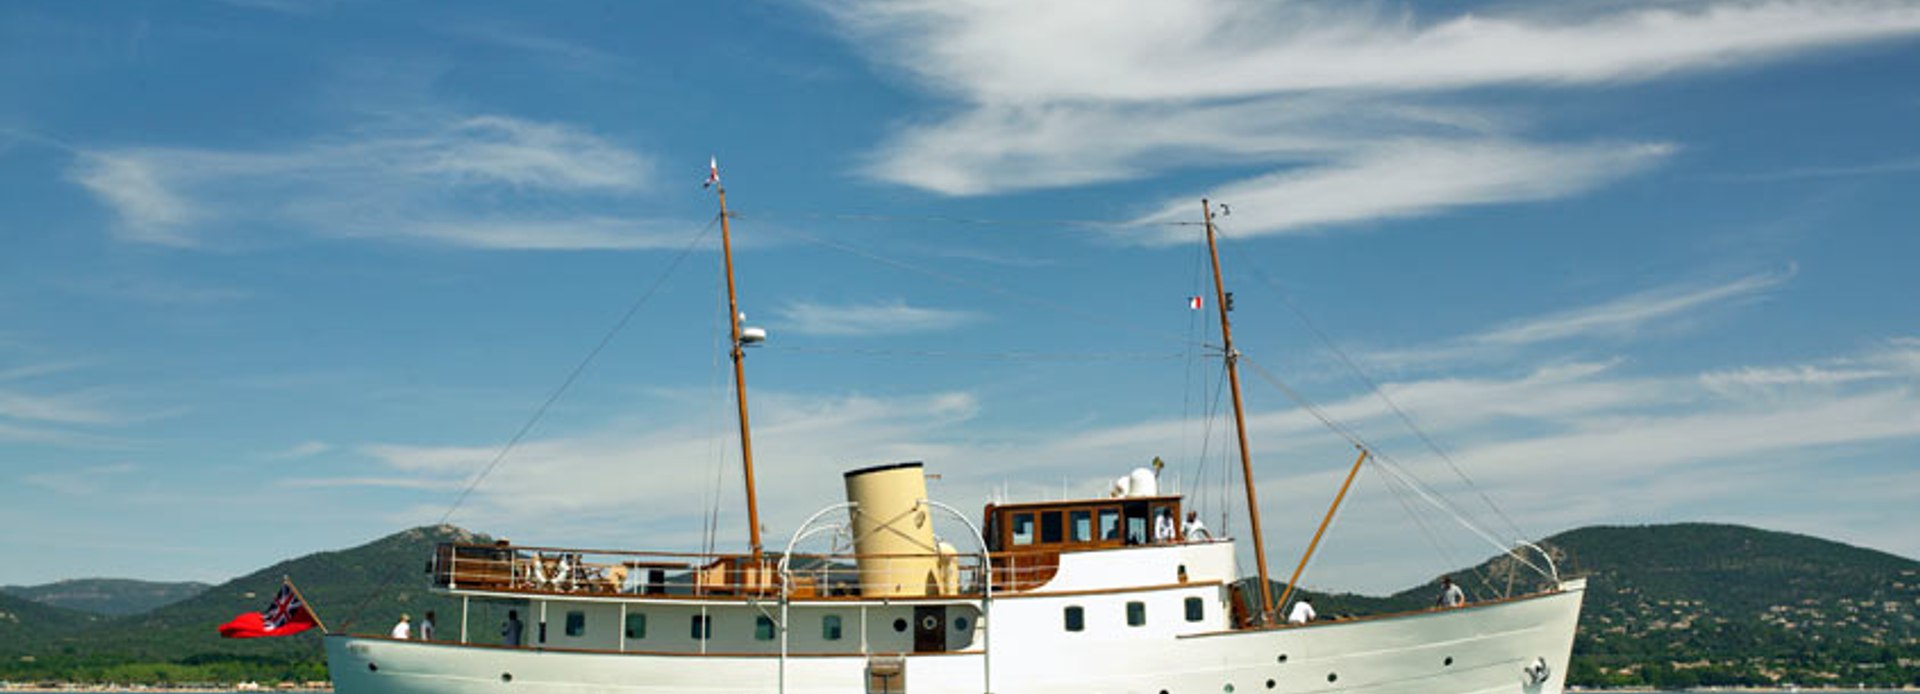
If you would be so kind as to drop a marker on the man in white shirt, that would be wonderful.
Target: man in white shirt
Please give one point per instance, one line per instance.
(1450, 593)
(1301, 614)
(403, 630)
(1196, 531)
(1163, 530)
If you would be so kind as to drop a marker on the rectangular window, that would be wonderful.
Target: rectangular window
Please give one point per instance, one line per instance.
(702, 627)
(637, 625)
(763, 628)
(830, 627)
(1110, 524)
(1076, 618)
(1196, 609)
(1022, 529)
(1052, 530)
(576, 623)
(1081, 523)
(1136, 613)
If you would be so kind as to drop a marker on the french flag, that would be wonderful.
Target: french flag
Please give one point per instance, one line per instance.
(1193, 302)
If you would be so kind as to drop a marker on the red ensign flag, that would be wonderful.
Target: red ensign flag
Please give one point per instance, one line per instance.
(288, 614)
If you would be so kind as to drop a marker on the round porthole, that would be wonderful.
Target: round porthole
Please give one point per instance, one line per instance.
(1270, 684)
(372, 667)
(899, 625)
(1447, 662)
(930, 623)
(1282, 659)
(506, 677)
(959, 623)
(1332, 676)
(1228, 688)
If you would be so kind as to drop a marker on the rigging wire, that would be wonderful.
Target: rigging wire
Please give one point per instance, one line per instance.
(1387, 462)
(971, 221)
(540, 412)
(1381, 393)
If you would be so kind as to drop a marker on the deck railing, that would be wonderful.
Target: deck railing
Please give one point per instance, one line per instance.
(510, 568)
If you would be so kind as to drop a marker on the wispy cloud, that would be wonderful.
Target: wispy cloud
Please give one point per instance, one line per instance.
(1412, 179)
(1348, 104)
(1620, 318)
(304, 449)
(1905, 165)
(866, 320)
(79, 482)
(483, 182)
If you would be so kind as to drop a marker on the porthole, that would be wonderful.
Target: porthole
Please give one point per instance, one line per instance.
(929, 623)
(1447, 662)
(1228, 689)
(1270, 684)
(1332, 676)
(960, 624)
(900, 625)
(1282, 659)
(372, 667)
(506, 677)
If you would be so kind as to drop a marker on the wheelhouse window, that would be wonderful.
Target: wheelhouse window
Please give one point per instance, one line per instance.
(576, 623)
(702, 627)
(1080, 523)
(763, 628)
(1076, 618)
(1022, 529)
(1052, 530)
(830, 627)
(1196, 609)
(1136, 613)
(637, 625)
(1110, 524)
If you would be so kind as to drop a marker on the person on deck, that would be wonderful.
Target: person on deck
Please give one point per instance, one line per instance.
(402, 630)
(1197, 531)
(426, 627)
(510, 632)
(1450, 593)
(1301, 614)
(1163, 529)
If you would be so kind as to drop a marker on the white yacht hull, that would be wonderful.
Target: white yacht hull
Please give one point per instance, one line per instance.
(1493, 647)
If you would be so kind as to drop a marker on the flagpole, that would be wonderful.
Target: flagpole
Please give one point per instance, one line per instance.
(305, 603)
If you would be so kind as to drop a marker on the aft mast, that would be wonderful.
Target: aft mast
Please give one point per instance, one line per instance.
(739, 365)
(1239, 419)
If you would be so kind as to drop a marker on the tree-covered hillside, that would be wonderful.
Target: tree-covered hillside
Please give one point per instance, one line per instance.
(179, 642)
(107, 596)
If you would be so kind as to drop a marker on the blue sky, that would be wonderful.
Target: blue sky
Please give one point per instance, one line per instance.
(284, 276)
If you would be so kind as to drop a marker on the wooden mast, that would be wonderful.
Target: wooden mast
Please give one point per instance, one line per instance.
(739, 377)
(1239, 419)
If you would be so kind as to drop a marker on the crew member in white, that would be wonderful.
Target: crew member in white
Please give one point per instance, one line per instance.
(1450, 593)
(402, 630)
(1301, 614)
(1196, 531)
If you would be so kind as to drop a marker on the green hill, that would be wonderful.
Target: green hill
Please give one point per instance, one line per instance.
(107, 596)
(179, 642)
(1713, 605)
(24, 622)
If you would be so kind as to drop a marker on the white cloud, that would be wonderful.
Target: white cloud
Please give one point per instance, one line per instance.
(1343, 100)
(304, 449)
(1410, 179)
(866, 320)
(1625, 317)
(1011, 52)
(482, 182)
